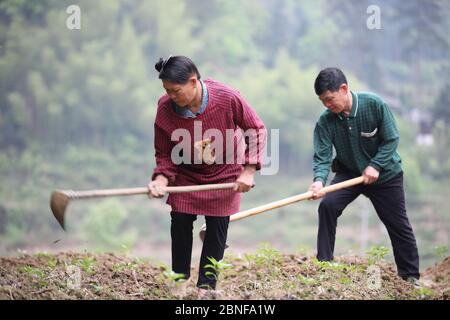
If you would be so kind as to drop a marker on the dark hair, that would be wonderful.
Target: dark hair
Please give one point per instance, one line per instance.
(176, 69)
(329, 79)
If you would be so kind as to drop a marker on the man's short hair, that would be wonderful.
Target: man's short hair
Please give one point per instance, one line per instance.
(329, 79)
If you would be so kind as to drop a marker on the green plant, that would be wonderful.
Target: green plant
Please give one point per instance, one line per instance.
(173, 277)
(97, 287)
(329, 265)
(121, 266)
(43, 254)
(36, 273)
(306, 280)
(33, 271)
(265, 256)
(345, 280)
(441, 251)
(51, 260)
(217, 266)
(423, 293)
(376, 253)
(87, 264)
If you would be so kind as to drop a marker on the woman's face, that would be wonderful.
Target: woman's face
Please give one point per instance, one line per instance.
(181, 94)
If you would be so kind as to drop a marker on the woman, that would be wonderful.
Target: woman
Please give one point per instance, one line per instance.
(191, 105)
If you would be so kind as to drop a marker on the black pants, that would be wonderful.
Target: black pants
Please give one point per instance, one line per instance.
(213, 246)
(388, 200)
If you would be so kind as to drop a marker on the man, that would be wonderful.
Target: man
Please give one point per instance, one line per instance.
(362, 130)
(190, 103)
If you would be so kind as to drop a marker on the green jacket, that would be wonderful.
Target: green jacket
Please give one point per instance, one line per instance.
(369, 136)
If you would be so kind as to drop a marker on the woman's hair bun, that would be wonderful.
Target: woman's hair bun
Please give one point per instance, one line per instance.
(159, 65)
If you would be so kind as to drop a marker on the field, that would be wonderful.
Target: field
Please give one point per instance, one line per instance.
(264, 274)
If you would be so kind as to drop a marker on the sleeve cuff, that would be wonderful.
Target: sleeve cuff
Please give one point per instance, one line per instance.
(170, 178)
(375, 166)
(319, 179)
(257, 165)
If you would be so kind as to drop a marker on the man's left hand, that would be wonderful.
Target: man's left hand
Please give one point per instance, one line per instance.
(370, 175)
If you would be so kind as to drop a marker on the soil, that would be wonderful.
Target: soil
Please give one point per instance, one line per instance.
(269, 275)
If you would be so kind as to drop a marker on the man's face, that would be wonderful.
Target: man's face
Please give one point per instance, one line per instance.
(335, 101)
(181, 94)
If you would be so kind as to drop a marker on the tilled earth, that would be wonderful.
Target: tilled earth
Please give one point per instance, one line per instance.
(263, 275)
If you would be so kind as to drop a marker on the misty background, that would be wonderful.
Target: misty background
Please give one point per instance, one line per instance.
(77, 108)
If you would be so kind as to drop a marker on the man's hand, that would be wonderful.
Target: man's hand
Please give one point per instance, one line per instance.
(246, 180)
(370, 175)
(316, 188)
(155, 187)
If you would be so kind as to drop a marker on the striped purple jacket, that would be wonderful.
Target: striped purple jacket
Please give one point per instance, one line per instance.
(226, 112)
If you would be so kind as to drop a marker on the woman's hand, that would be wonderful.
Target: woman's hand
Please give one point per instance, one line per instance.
(155, 187)
(246, 180)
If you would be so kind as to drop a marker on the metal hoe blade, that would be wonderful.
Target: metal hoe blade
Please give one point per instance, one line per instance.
(58, 204)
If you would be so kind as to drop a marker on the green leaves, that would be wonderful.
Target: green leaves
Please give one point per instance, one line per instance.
(87, 264)
(173, 277)
(377, 253)
(217, 267)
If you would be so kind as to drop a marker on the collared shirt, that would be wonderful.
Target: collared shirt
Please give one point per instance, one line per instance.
(367, 137)
(185, 112)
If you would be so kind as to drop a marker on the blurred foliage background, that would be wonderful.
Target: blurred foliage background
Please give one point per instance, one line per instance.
(77, 110)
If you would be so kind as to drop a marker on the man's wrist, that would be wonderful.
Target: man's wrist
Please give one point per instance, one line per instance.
(316, 179)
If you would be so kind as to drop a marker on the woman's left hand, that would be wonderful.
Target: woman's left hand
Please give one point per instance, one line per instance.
(246, 180)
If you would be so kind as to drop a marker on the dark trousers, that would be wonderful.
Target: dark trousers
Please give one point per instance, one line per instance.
(388, 200)
(213, 246)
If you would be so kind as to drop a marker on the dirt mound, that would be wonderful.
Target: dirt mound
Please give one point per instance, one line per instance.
(439, 270)
(439, 277)
(266, 274)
